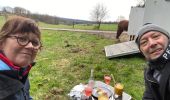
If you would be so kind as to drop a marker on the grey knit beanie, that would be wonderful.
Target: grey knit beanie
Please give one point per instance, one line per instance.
(147, 28)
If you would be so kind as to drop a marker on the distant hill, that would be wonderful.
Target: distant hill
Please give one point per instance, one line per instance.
(76, 21)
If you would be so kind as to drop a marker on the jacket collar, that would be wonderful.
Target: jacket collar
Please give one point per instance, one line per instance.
(11, 65)
(162, 60)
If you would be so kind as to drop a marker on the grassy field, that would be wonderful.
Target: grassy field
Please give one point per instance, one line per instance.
(66, 60)
(105, 27)
(2, 20)
(60, 67)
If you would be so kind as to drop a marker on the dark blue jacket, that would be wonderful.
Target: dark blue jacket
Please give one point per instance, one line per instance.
(13, 89)
(14, 82)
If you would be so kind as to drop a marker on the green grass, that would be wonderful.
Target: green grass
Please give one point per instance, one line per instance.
(59, 67)
(2, 21)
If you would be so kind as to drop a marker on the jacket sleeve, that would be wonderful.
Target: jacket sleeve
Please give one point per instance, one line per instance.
(147, 93)
(27, 88)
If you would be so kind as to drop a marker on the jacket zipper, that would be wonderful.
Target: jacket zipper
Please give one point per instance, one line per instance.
(151, 80)
(24, 93)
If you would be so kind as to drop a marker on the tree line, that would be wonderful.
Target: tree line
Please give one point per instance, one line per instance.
(7, 11)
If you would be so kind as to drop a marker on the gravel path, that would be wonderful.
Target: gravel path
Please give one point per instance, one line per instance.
(105, 34)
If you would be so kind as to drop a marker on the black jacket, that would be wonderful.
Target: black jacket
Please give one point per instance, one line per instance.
(155, 90)
(13, 88)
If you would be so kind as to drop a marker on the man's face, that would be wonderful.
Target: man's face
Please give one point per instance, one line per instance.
(153, 44)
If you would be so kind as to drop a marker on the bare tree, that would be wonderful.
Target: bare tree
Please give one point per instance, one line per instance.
(6, 11)
(98, 14)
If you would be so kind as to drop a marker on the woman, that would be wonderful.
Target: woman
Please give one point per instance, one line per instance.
(19, 43)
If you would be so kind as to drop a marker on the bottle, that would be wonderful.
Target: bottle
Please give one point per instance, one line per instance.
(88, 87)
(91, 79)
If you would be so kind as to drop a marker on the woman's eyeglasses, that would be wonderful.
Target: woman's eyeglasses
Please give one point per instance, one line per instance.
(23, 41)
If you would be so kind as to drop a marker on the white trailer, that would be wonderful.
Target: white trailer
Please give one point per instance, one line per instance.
(135, 20)
(155, 11)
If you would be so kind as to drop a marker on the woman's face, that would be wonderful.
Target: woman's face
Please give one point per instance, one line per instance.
(20, 55)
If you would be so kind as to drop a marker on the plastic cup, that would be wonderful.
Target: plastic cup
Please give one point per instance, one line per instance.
(88, 90)
(118, 89)
(107, 79)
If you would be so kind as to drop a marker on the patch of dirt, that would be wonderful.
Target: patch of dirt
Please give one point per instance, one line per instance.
(56, 91)
(54, 94)
(75, 50)
(62, 63)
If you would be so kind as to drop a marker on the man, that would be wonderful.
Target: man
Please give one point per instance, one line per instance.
(153, 42)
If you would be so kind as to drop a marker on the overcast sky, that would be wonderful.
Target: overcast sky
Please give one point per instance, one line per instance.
(76, 9)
